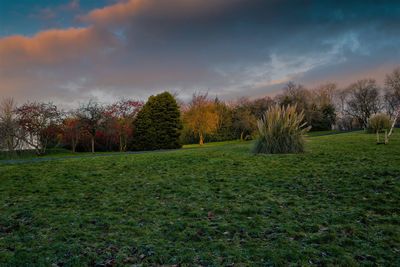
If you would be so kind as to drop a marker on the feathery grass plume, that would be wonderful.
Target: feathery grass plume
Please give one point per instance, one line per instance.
(281, 130)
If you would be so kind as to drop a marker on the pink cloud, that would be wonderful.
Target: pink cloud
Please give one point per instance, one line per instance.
(61, 45)
(144, 51)
(51, 46)
(122, 11)
(119, 11)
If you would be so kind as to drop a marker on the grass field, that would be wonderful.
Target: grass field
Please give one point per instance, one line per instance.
(336, 204)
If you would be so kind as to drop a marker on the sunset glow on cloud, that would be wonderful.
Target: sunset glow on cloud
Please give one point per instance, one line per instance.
(135, 48)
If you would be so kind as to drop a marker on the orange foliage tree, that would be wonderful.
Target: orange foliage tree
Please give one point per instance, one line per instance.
(201, 116)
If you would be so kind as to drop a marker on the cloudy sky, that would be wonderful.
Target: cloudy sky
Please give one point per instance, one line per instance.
(68, 51)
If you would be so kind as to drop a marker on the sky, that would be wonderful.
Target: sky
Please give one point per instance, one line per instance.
(70, 51)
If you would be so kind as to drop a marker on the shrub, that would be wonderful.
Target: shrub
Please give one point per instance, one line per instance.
(378, 123)
(281, 130)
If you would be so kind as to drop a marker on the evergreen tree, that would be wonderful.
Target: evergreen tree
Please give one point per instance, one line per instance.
(158, 124)
(322, 118)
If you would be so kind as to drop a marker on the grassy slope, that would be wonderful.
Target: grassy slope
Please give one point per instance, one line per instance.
(62, 153)
(336, 204)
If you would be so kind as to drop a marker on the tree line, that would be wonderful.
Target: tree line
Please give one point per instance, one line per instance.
(163, 122)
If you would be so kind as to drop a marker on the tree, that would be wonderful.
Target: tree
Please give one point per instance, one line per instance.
(296, 95)
(244, 121)
(392, 96)
(324, 94)
(91, 115)
(123, 114)
(322, 113)
(392, 92)
(363, 101)
(259, 106)
(317, 105)
(340, 97)
(224, 129)
(38, 122)
(378, 123)
(72, 131)
(9, 128)
(343, 121)
(201, 116)
(158, 124)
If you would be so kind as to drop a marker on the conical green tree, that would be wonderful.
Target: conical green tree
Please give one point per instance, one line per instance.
(158, 124)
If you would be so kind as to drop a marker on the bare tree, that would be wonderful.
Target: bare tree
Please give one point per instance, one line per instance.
(72, 131)
(9, 127)
(363, 101)
(392, 96)
(295, 94)
(121, 115)
(91, 116)
(392, 92)
(38, 122)
(324, 94)
(340, 99)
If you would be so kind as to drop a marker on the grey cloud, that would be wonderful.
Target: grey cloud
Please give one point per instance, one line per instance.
(231, 48)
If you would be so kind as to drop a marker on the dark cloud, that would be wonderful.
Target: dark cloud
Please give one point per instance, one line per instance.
(230, 47)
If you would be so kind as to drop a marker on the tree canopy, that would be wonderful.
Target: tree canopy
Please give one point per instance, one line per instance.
(158, 124)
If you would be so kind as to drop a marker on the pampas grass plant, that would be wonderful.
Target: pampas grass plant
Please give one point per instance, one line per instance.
(281, 130)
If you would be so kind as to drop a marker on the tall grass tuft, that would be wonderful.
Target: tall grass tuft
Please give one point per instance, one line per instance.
(281, 130)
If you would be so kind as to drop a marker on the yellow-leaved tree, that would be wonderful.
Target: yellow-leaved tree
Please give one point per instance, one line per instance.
(201, 116)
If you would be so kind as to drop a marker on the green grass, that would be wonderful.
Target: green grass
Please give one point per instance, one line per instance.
(336, 204)
(61, 152)
(50, 153)
(321, 133)
(213, 144)
(26, 154)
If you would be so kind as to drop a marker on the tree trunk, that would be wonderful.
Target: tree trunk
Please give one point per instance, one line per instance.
(10, 144)
(125, 144)
(92, 144)
(241, 136)
(201, 139)
(43, 147)
(73, 146)
(394, 122)
(38, 151)
(386, 137)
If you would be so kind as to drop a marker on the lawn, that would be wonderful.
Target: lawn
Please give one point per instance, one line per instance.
(336, 204)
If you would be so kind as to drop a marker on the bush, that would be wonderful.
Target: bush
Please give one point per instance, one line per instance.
(378, 123)
(281, 130)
